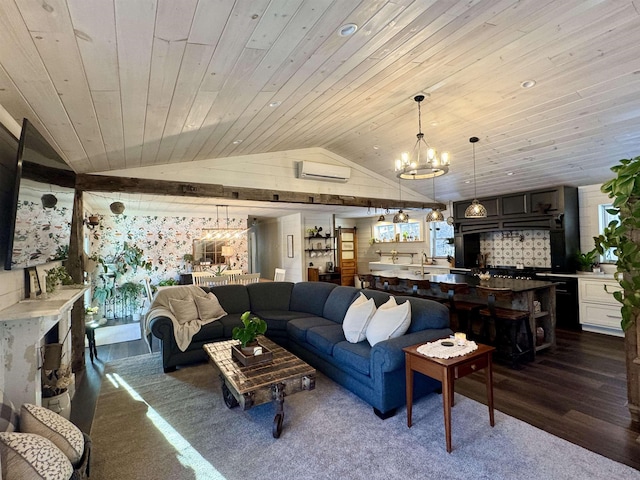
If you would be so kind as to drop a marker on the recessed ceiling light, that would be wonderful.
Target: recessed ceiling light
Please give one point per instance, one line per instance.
(236, 142)
(509, 174)
(277, 103)
(528, 83)
(467, 181)
(376, 147)
(347, 29)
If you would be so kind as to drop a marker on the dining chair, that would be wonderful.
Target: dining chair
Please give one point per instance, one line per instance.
(246, 278)
(279, 275)
(207, 279)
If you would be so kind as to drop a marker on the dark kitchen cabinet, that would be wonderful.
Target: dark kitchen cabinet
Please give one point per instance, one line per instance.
(554, 209)
(546, 201)
(515, 204)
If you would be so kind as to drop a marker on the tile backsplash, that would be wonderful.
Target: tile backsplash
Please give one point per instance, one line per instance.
(532, 248)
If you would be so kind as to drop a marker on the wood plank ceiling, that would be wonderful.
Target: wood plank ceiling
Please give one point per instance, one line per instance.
(123, 83)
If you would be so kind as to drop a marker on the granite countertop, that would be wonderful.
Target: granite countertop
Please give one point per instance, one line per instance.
(585, 275)
(515, 285)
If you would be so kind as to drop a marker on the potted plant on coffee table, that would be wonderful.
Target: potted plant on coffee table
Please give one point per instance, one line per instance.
(250, 349)
(248, 334)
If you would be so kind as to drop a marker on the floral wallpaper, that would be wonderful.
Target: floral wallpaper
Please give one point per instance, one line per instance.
(41, 234)
(532, 248)
(164, 240)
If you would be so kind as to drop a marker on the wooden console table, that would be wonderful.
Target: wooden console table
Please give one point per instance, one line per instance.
(447, 370)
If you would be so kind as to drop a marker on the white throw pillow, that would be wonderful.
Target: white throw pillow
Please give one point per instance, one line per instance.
(390, 321)
(357, 318)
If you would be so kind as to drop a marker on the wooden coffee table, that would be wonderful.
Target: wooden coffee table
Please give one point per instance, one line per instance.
(447, 370)
(254, 385)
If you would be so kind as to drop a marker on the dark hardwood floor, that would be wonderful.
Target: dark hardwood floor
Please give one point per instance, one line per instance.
(577, 392)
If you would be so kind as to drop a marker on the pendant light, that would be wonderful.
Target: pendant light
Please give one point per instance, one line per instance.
(400, 217)
(435, 215)
(424, 161)
(476, 209)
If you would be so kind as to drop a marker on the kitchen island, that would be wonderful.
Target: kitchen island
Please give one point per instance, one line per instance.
(534, 296)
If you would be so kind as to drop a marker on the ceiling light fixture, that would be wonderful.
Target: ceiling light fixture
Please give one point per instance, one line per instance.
(528, 84)
(435, 215)
(347, 29)
(400, 217)
(476, 209)
(277, 103)
(424, 161)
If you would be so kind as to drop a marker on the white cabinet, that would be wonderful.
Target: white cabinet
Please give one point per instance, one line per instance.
(599, 311)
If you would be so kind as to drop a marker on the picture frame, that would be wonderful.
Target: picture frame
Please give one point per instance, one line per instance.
(32, 286)
(289, 246)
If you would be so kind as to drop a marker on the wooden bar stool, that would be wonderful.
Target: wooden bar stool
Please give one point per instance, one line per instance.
(388, 282)
(510, 325)
(463, 313)
(370, 280)
(423, 285)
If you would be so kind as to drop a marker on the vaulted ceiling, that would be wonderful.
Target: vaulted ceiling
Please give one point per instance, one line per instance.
(123, 83)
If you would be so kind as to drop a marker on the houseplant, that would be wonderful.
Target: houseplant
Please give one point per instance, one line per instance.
(586, 261)
(130, 292)
(623, 236)
(56, 276)
(188, 260)
(131, 256)
(253, 326)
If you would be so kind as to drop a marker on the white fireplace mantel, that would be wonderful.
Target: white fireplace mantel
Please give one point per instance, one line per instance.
(22, 327)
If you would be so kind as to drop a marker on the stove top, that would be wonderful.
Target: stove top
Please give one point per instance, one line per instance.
(527, 273)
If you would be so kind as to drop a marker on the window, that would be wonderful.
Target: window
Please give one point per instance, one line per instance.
(392, 232)
(441, 239)
(604, 219)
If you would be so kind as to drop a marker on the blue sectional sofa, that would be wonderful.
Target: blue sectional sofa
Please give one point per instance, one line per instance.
(306, 318)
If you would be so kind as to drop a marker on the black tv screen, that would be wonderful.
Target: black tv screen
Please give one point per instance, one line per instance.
(42, 204)
(8, 155)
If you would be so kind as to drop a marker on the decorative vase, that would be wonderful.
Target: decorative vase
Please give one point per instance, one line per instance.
(60, 404)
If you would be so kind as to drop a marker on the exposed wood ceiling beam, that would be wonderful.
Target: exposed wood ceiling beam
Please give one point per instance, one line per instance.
(107, 183)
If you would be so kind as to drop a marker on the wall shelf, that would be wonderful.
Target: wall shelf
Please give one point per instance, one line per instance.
(397, 254)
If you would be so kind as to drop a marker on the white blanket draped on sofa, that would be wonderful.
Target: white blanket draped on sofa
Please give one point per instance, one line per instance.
(183, 331)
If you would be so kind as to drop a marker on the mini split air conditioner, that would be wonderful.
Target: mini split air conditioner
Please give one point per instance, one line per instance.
(323, 171)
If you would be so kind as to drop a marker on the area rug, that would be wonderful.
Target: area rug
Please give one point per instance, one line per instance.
(127, 332)
(152, 425)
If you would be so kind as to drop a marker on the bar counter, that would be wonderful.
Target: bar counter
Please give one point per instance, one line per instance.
(526, 294)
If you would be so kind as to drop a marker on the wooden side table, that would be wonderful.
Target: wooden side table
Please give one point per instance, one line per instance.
(90, 331)
(447, 370)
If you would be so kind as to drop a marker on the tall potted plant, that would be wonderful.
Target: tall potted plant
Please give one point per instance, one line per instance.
(624, 237)
(131, 293)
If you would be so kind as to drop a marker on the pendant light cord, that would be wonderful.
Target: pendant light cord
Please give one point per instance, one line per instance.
(475, 183)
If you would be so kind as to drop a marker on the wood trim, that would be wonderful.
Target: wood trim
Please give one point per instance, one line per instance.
(107, 183)
(75, 267)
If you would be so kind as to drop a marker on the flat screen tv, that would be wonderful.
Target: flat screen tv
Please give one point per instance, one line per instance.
(41, 207)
